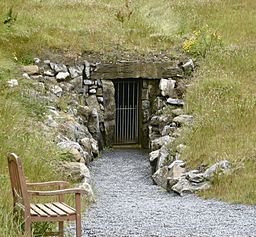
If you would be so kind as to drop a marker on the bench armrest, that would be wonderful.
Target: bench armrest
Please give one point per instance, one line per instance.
(45, 184)
(57, 192)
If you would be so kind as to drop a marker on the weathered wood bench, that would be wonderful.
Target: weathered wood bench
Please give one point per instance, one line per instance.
(43, 212)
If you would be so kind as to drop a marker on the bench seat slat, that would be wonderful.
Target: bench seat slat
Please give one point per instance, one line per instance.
(69, 210)
(46, 210)
(56, 209)
(39, 212)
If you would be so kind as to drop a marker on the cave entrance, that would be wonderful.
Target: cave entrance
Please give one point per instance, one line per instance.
(127, 93)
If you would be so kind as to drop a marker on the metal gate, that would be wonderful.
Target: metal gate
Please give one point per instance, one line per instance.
(127, 111)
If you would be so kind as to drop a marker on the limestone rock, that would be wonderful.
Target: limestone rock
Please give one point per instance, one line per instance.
(58, 67)
(167, 87)
(31, 69)
(183, 120)
(110, 106)
(183, 186)
(177, 102)
(88, 82)
(221, 166)
(12, 83)
(74, 130)
(76, 150)
(166, 130)
(62, 75)
(76, 172)
(49, 73)
(89, 192)
(163, 156)
(95, 147)
(188, 66)
(92, 91)
(77, 83)
(175, 171)
(84, 112)
(160, 177)
(195, 176)
(153, 159)
(86, 143)
(76, 71)
(159, 142)
(26, 76)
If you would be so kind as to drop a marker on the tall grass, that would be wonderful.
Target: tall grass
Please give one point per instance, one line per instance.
(223, 96)
(21, 134)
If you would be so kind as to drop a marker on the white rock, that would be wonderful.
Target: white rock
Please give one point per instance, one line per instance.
(49, 73)
(37, 60)
(26, 76)
(13, 83)
(62, 75)
(167, 87)
(177, 102)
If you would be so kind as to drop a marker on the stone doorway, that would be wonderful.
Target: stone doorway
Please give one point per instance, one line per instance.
(127, 97)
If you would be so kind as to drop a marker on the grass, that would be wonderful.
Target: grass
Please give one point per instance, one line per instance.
(222, 96)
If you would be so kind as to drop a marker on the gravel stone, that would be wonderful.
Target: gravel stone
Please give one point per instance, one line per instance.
(128, 204)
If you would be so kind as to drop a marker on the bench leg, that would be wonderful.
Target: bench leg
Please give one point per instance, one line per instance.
(28, 228)
(78, 216)
(61, 228)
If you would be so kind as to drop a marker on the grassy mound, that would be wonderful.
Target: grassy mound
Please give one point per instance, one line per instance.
(220, 34)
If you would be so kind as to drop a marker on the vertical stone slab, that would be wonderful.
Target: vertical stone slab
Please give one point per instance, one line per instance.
(110, 108)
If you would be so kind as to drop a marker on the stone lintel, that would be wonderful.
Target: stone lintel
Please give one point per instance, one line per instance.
(135, 70)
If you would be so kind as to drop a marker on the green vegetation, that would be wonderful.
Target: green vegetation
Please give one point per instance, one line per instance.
(222, 96)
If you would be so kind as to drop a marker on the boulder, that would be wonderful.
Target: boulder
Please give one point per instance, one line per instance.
(195, 176)
(74, 130)
(160, 177)
(89, 192)
(86, 143)
(153, 159)
(167, 87)
(76, 150)
(76, 172)
(184, 186)
(175, 171)
(95, 147)
(159, 142)
(163, 157)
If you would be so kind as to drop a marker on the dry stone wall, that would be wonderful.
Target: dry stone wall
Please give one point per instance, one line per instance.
(81, 111)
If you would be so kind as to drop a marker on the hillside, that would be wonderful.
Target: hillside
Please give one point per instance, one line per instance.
(218, 35)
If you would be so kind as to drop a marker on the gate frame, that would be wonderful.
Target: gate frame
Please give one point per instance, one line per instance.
(140, 135)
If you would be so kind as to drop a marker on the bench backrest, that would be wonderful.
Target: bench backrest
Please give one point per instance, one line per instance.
(18, 182)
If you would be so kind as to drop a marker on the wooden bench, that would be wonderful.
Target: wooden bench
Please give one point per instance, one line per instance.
(43, 212)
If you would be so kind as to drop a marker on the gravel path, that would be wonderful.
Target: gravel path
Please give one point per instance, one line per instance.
(129, 205)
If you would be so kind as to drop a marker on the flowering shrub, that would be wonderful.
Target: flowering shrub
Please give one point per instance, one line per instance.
(202, 41)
